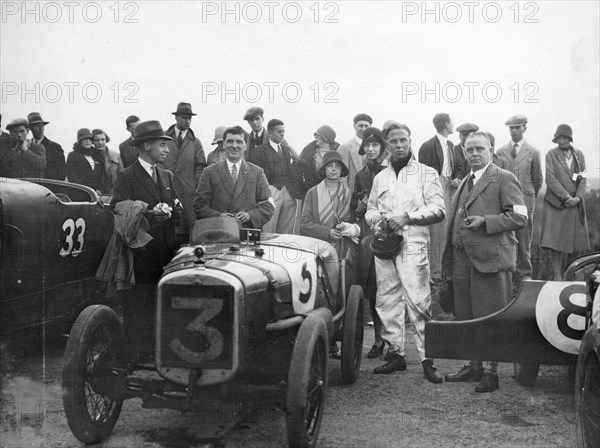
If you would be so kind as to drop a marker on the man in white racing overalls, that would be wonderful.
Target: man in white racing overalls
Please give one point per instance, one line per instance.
(406, 196)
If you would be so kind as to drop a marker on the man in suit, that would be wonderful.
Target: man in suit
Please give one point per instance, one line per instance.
(128, 152)
(186, 160)
(525, 162)
(481, 249)
(234, 187)
(349, 150)
(55, 156)
(258, 134)
(145, 181)
(284, 175)
(438, 153)
(19, 156)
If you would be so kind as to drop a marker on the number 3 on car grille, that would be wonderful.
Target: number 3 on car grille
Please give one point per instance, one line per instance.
(210, 308)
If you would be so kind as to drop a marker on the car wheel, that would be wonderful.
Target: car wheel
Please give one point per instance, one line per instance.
(587, 400)
(89, 356)
(526, 373)
(352, 335)
(307, 382)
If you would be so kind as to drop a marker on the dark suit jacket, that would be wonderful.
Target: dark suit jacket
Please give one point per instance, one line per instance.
(79, 171)
(431, 154)
(55, 160)
(492, 247)
(280, 172)
(253, 144)
(217, 194)
(17, 164)
(136, 184)
(461, 166)
(128, 152)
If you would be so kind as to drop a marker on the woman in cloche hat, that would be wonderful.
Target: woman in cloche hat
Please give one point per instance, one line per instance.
(84, 165)
(326, 215)
(564, 226)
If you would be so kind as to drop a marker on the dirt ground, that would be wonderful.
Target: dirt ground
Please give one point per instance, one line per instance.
(396, 410)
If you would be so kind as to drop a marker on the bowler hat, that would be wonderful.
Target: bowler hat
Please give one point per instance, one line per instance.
(563, 130)
(371, 134)
(147, 131)
(183, 109)
(386, 244)
(35, 118)
(330, 157)
(219, 131)
(516, 120)
(253, 112)
(467, 128)
(17, 122)
(84, 133)
(327, 133)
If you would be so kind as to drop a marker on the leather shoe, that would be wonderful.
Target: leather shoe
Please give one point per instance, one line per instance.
(466, 374)
(488, 383)
(376, 351)
(431, 372)
(396, 362)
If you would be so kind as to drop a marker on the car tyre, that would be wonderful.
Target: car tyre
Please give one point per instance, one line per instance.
(307, 380)
(526, 373)
(91, 351)
(353, 334)
(587, 394)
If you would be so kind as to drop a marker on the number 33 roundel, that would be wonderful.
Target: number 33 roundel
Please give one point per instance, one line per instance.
(560, 314)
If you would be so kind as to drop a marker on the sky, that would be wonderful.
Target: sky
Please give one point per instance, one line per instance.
(91, 64)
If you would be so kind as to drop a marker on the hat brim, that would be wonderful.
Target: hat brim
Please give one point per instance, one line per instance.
(137, 141)
(216, 140)
(39, 122)
(344, 168)
(183, 113)
(91, 137)
(555, 139)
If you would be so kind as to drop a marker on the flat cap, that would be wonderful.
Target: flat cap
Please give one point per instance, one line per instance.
(253, 111)
(516, 120)
(467, 127)
(17, 122)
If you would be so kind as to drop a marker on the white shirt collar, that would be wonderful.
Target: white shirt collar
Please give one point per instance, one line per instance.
(274, 145)
(519, 144)
(443, 140)
(358, 140)
(230, 164)
(147, 166)
(183, 133)
(479, 173)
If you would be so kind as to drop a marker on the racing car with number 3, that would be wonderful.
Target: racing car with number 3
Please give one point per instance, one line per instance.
(236, 320)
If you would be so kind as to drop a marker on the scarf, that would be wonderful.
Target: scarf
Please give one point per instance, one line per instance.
(332, 205)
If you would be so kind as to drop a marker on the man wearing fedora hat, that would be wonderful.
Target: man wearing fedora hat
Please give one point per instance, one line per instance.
(19, 156)
(55, 156)
(217, 154)
(525, 162)
(127, 151)
(186, 160)
(258, 134)
(144, 180)
(405, 197)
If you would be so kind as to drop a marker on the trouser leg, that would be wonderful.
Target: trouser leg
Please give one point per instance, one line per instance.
(413, 269)
(524, 247)
(287, 213)
(390, 305)
(461, 283)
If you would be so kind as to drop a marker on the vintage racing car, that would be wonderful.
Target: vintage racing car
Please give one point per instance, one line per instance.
(53, 235)
(236, 320)
(587, 375)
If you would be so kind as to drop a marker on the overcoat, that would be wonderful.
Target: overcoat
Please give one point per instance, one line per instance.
(55, 160)
(562, 228)
(80, 171)
(308, 163)
(527, 166)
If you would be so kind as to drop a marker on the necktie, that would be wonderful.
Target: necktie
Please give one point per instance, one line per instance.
(154, 176)
(513, 153)
(450, 159)
(180, 139)
(234, 173)
(470, 182)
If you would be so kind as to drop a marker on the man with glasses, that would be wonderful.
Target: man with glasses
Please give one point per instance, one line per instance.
(481, 248)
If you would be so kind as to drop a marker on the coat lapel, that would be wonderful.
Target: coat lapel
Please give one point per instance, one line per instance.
(523, 152)
(225, 177)
(485, 179)
(146, 181)
(355, 156)
(241, 180)
(439, 151)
